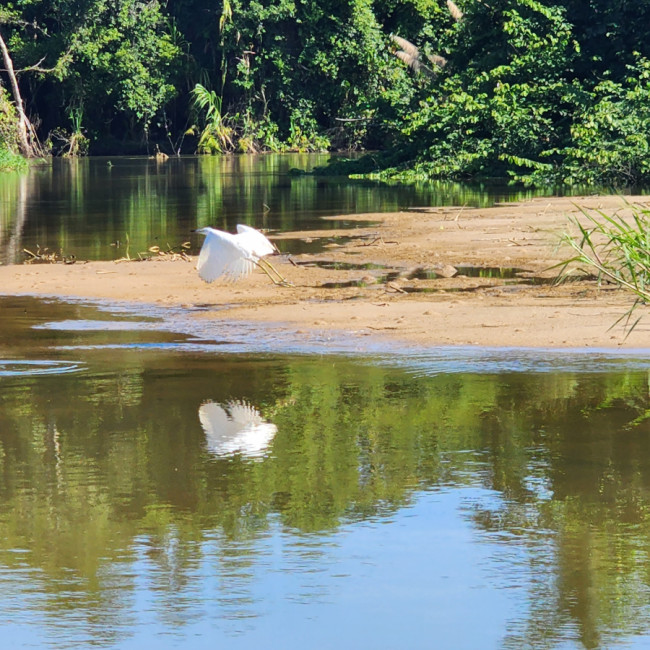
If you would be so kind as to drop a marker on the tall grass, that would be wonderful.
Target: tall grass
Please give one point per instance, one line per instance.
(616, 248)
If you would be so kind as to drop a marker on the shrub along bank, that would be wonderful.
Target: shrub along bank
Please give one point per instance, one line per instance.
(544, 92)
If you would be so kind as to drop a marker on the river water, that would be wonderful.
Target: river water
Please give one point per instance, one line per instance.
(165, 484)
(103, 208)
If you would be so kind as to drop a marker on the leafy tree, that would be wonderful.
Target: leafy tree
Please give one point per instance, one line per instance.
(609, 142)
(112, 62)
(609, 33)
(543, 91)
(498, 101)
(298, 65)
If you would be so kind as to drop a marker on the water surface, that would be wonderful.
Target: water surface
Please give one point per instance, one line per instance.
(164, 490)
(102, 209)
(169, 482)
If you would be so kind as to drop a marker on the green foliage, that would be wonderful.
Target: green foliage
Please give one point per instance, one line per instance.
(303, 130)
(542, 91)
(300, 66)
(610, 136)
(242, 132)
(112, 59)
(123, 51)
(10, 161)
(259, 134)
(495, 102)
(8, 123)
(69, 144)
(216, 135)
(510, 101)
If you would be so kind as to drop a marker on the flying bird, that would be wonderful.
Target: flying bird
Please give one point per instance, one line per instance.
(235, 256)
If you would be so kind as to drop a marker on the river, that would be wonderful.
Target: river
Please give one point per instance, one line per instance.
(166, 486)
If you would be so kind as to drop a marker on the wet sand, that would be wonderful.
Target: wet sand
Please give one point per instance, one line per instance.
(377, 281)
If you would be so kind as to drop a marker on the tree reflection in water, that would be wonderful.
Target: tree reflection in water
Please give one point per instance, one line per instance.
(108, 483)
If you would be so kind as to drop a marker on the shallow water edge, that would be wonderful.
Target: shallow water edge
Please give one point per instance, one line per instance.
(245, 337)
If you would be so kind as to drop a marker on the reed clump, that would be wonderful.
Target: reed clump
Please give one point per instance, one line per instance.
(616, 248)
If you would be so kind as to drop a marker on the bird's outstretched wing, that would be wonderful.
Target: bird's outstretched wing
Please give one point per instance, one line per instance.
(254, 241)
(221, 254)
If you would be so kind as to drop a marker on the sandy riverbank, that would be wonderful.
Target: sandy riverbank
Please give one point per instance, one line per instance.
(454, 311)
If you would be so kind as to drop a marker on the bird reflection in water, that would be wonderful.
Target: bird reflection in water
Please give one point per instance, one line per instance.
(235, 428)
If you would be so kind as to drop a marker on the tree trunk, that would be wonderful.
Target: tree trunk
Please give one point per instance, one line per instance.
(27, 139)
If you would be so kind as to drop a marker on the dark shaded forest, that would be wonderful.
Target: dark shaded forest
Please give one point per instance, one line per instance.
(537, 91)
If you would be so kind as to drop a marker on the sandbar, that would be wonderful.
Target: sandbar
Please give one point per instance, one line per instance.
(425, 276)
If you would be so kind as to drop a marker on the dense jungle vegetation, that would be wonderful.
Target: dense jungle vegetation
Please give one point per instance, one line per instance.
(541, 91)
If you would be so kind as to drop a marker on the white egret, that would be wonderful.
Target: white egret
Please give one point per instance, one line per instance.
(235, 428)
(235, 256)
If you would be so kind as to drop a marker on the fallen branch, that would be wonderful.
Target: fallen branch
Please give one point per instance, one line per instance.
(44, 256)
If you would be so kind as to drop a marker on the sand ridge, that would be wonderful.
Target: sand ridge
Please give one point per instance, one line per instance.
(376, 281)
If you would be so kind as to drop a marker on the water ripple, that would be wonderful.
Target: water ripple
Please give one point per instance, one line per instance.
(83, 325)
(22, 368)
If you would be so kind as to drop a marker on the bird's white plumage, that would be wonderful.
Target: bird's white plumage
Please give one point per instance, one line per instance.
(254, 241)
(235, 428)
(222, 255)
(231, 256)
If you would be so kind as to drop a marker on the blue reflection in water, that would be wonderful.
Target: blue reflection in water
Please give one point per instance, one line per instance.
(242, 337)
(15, 367)
(373, 583)
(175, 328)
(98, 325)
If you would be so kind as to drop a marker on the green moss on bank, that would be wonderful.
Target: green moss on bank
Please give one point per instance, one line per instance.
(10, 162)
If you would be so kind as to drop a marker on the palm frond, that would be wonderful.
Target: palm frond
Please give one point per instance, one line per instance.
(406, 46)
(437, 60)
(455, 12)
(411, 61)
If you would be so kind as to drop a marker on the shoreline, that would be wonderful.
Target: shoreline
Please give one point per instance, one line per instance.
(377, 284)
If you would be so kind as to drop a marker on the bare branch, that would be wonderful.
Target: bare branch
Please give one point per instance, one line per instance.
(36, 66)
(8, 18)
(29, 145)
